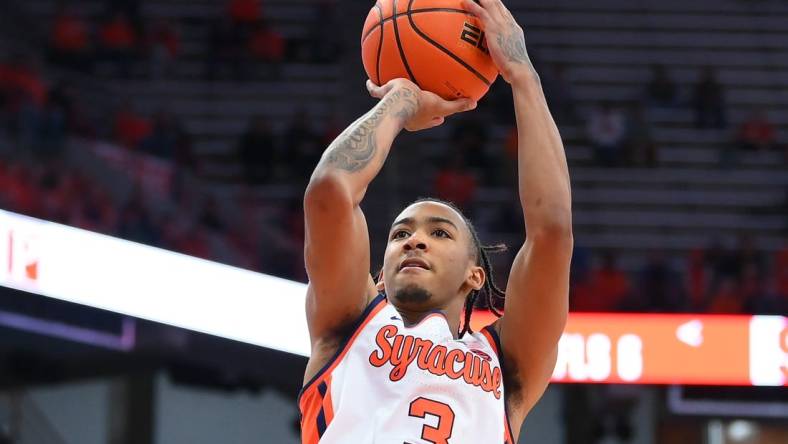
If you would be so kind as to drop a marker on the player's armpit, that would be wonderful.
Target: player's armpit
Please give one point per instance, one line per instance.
(336, 254)
(536, 309)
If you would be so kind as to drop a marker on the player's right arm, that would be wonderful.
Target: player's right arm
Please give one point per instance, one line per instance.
(336, 251)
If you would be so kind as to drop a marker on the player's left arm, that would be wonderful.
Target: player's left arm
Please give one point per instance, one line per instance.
(537, 294)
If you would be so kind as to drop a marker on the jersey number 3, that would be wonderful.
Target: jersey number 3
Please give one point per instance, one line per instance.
(421, 407)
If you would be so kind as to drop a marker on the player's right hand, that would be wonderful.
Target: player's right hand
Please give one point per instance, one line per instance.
(423, 109)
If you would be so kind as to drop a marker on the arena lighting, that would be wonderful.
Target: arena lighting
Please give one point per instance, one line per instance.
(158, 285)
(125, 277)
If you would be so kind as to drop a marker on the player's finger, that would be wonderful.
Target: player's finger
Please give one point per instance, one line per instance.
(378, 91)
(501, 8)
(449, 107)
(475, 9)
(438, 121)
(490, 7)
(507, 12)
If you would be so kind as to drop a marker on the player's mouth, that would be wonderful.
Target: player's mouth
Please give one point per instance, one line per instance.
(413, 264)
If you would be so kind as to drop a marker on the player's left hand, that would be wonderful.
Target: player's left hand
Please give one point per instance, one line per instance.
(505, 38)
(429, 110)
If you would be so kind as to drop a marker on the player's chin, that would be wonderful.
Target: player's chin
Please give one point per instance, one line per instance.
(412, 293)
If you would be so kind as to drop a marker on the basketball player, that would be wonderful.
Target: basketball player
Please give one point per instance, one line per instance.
(394, 360)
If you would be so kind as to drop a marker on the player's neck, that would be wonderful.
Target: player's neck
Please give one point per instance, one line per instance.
(414, 317)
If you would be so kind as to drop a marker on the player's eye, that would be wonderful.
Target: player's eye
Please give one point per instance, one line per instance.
(398, 234)
(442, 233)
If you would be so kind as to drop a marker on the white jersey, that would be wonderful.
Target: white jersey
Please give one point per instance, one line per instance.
(392, 384)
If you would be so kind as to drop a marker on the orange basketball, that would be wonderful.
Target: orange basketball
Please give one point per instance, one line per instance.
(435, 43)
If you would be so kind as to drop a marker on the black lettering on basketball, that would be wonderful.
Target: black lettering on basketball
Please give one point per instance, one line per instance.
(474, 36)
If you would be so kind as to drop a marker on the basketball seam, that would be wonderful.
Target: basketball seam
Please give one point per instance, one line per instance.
(446, 51)
(401, 51)
(402, 14)
(380, 45)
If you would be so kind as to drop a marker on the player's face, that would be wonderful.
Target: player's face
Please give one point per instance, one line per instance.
(428, 257)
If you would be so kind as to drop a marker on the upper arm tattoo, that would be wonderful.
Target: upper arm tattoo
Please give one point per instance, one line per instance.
(356, 146)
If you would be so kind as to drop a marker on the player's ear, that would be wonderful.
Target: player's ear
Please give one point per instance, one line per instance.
(476, 277)
(380, 285)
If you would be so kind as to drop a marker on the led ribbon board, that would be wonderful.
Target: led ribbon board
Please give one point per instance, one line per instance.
(635, 348)
(149, 283)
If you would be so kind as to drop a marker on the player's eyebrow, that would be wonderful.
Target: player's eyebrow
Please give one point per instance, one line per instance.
(431, 219)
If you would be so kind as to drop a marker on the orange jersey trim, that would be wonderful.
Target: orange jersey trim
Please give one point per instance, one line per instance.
(315, 403)
(495, 343)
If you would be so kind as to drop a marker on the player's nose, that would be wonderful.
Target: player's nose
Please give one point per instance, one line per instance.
(415, 242)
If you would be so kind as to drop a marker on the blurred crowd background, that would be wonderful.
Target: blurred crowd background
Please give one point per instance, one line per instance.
(195, 126)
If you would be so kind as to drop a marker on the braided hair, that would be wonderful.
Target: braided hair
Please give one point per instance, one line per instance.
(490, 291)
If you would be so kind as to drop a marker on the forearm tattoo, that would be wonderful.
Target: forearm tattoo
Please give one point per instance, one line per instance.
(512, 42)
(355, 148)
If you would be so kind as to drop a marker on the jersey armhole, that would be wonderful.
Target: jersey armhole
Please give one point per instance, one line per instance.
(372, 309)
(495, 342)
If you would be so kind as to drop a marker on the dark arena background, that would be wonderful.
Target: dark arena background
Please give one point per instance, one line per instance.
(154, 156)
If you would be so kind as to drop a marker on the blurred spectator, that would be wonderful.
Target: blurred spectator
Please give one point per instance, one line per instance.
(94, 211)
(165, 45)
(130, 127)
(20, 191)
(49, 182)
(225, 51)
(267, 46)
(69, 40)
(726, 298)
(210, 217)
(723, 263)
(641, 150)
(659, 288)
(128, 8)
(20, 83)
(598, 287)
(609, 285)
(332, 128)
(78, 122)
(748, 254)
(193, 241)
(780, 273)
(560, 96)
(757, 133)
(244, 12)
(118, 40)
(136, 223)
(5, 435)
(753, 290)
(469, 137)
(511, 146)
(661, 90)
(257, 152)
(606, 130)
(165, 137)
(697, 279)
(294, 221)
(580, 292)
(499, 104)
(325, 43)
(42, 129)
(709, 101)
(455, 183)
(301, 145)
(279, 254)
(62, 96)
